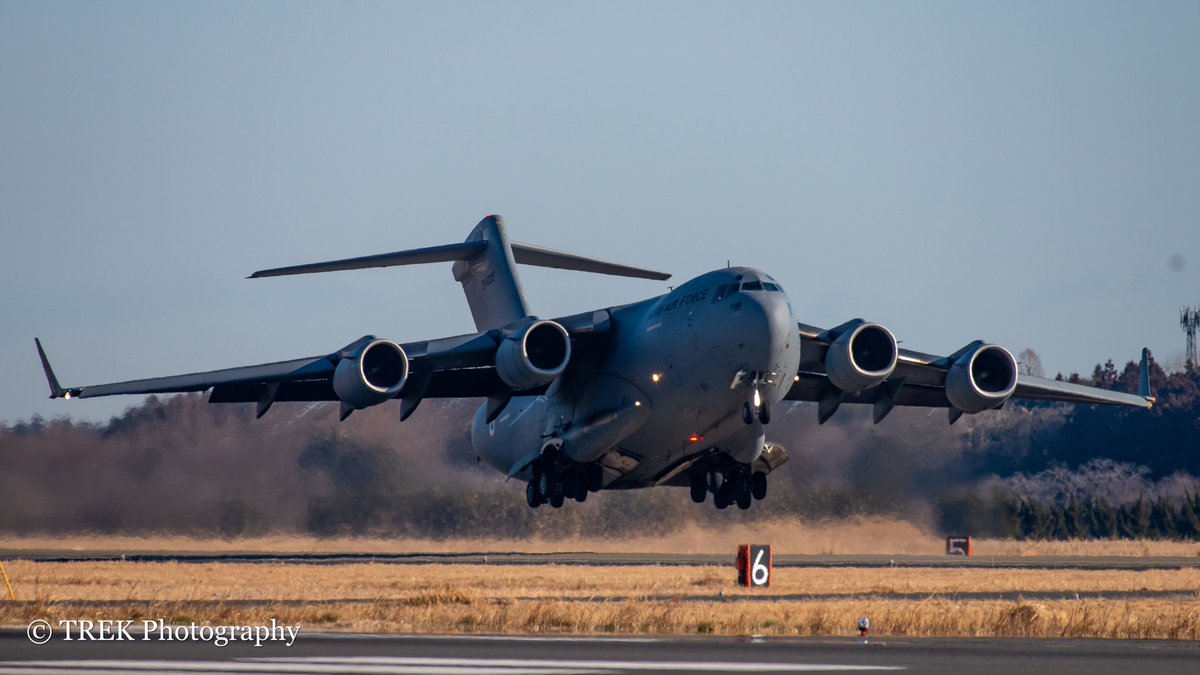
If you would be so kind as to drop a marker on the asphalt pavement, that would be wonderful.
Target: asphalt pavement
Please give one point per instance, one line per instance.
(487, 655)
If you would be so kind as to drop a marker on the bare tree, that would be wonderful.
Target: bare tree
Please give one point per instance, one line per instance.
(1031, 363)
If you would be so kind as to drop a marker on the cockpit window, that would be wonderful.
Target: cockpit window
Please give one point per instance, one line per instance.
(770, 287)
(721, 291)
(752, 286)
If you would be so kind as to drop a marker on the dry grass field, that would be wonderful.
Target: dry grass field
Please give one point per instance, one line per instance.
(449, 598)
(628, 600)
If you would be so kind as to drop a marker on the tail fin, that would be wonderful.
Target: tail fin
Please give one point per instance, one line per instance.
(1144, 378)
(485, 265)
(489, 278)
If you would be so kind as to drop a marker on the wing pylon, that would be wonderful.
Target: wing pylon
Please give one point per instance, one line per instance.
(920, 380)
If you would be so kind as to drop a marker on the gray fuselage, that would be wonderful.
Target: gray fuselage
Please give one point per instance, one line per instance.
(673, 385)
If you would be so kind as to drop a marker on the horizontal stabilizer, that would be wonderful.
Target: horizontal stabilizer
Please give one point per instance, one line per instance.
(486, 266)
(526, 254)
(416, 256)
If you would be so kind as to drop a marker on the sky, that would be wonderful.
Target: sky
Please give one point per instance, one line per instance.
(1022, 172)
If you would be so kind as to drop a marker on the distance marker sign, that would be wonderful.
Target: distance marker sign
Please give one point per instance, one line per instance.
(754, 565)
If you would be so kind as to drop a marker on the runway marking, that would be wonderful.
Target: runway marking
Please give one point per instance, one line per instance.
(368, 665)
(226, 667)
(485, 638)
(601, 665)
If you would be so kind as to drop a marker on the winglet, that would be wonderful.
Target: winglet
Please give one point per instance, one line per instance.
(1144, 380)
(56, 391)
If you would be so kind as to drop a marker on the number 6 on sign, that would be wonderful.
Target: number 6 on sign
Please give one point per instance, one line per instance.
(754, 565)
(760, 574)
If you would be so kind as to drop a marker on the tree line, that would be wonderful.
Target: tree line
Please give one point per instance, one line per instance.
(179, 464)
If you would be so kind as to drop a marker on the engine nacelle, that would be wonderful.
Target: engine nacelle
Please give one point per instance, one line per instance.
(374, 373)
(981, 379)
(534, 355)
(861, 358)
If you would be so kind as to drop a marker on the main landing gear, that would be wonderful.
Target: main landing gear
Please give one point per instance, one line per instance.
(554, 484)
(732, 485)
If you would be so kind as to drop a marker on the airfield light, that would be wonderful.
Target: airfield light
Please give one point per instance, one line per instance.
(655, 377)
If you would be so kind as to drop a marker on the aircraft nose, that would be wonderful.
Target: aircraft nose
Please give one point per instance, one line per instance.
(764, 324)
(779, 322)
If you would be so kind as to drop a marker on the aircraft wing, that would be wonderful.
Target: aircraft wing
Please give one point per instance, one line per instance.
(454, 367)
(919, 379)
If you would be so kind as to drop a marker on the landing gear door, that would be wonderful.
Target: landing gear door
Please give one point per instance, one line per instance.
(560, 411)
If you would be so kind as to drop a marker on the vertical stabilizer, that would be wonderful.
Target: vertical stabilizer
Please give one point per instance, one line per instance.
(489, 278)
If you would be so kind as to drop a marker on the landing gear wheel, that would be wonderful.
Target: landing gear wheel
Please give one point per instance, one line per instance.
(747, 413)
(698, 487)
(743, 500)
(555, 488)
(736, 486)
(581, 496)
(764, 413)
(721, 501)
(758, 485)
(571, 487)
(531, 495)
(595, 478)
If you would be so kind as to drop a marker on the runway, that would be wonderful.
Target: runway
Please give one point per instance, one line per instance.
(485, 655)
(1131, 563)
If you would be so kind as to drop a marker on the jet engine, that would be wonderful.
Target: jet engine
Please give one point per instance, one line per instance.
(861, 358)
(533, 355)
(981, 379)
(372, 374)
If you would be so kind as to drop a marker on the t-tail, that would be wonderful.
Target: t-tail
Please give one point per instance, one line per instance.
(486, 266)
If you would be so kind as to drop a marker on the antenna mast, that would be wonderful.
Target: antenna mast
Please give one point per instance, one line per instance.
(1189, 321)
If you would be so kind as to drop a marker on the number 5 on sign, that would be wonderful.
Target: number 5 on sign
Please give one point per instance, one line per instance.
(754, 565)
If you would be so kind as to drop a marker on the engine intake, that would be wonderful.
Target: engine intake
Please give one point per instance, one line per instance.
(534, 355)
(981, 379)
(861, 358)
(374, 373)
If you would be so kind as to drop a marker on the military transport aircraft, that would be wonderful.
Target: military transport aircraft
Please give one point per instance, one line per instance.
(673, 390)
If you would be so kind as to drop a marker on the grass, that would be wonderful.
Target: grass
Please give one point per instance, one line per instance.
(620, 600)
(127, 581)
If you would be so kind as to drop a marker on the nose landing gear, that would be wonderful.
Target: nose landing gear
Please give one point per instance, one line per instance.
(757, 409)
